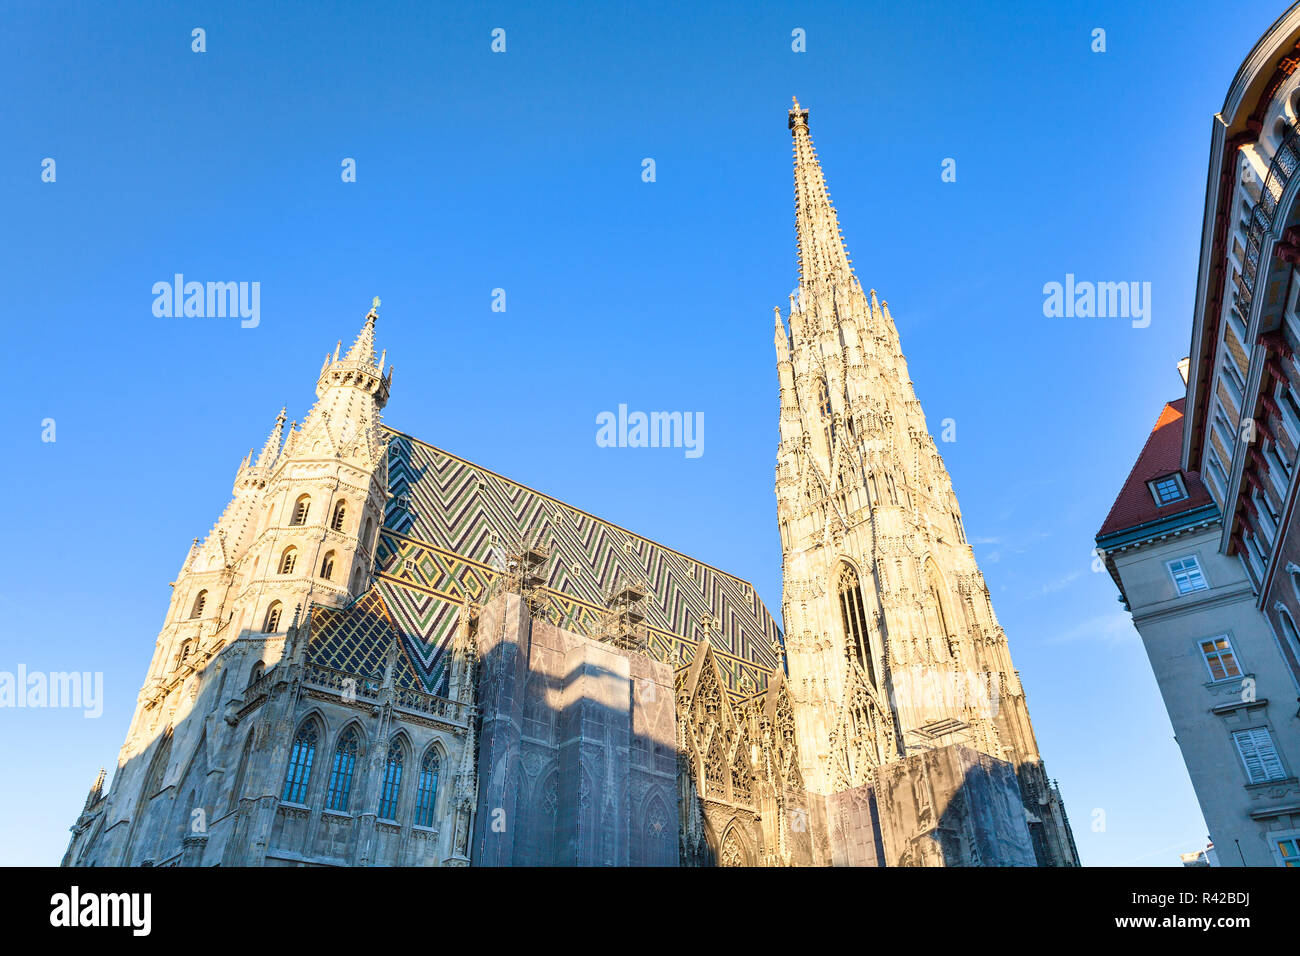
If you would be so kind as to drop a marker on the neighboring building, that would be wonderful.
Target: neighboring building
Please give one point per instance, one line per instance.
(1206, 857)
(1213, 655)
(1213, 578)
(385, 655)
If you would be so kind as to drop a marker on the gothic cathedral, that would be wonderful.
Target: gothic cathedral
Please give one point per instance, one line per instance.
(383, 654)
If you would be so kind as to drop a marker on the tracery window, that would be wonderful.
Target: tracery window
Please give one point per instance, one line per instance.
(300, 761)
(199, 602)
(158, 766)
(238, 788)
(345, 761)
(340, 515)
(427, 790)
(300, 509)
(854, 615)
(288, 560)
(823, 398)
(392, 782)
(327, 567)
(272, 623)
(937, 615)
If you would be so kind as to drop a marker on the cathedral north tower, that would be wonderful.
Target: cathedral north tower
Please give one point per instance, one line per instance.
(893, 649)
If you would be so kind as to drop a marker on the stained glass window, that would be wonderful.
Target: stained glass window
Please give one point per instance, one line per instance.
(345, 761)
(427, 792)
(300, 760)
(392, 783)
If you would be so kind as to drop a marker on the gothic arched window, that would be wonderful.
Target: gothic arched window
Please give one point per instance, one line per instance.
(936, 615)
(258, 670)
(272, 623)
(392, 782)
(288, 560)
(427, 791)
(854, 615)
(158, 766)
(365, 538)
(824, 407)
(340, 515)
(356, 581)
(199, 602)
(300, 761)
(238, 787)
(300, 509)
(327, 567)
(345, 761)
(823, 398)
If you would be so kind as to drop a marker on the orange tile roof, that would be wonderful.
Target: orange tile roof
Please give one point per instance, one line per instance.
(1161, 455)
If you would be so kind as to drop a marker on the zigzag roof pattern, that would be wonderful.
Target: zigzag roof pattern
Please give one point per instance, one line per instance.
(450, 524)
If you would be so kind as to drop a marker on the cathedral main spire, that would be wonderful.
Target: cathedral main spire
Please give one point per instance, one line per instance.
(822, 255)
(883, 600)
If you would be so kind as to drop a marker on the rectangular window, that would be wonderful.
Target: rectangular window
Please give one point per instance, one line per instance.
(1168, 489)
(1187, 575)
(1258, 755)
(1289, 851)
(1218, 478)
(1220, 658)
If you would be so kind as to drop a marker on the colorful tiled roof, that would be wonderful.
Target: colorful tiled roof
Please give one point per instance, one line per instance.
(446, 533)
(1161, 455)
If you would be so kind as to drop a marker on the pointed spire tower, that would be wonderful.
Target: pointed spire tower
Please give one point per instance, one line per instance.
(326, 490)
(889, 630)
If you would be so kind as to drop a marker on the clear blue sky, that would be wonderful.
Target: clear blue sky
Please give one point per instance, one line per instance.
(522, 171)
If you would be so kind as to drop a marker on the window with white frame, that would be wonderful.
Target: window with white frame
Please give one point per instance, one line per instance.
(1187, 575)
(1220, 658)
(1221, 426)
(1219, 479)
(1231, 377)
(1287, 849)
(1275, 457)
(1167, 489)
(1267, 519)
(1258, 755)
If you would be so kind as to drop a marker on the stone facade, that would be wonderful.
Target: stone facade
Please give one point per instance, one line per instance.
(386, 655)
(893, 647)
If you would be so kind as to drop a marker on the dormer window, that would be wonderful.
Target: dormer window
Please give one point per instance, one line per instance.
(1168, 489)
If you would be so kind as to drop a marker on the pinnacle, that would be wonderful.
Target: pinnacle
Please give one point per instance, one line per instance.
(271, 450)
(363, 349)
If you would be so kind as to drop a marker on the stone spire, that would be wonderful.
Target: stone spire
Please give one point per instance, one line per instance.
(363, 349)
(271, 450)
(822, 255)
(883, 600)
(357, 369)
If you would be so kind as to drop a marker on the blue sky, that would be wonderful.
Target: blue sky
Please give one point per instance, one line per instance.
(522, 171)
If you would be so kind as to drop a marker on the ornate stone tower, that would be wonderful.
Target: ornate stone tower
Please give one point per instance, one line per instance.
(324, 496)
(300, 528)
(893, 648)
